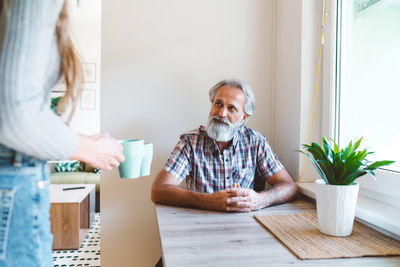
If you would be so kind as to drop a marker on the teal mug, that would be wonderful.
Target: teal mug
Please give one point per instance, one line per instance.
(133, 153)
(147, 158)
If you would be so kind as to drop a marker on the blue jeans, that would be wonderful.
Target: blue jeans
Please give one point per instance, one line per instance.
(25, 238)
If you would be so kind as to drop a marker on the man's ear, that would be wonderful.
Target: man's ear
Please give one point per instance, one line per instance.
(245, 116)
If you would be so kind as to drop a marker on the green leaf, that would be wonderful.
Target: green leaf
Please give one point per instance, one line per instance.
(318, 150)
(347, 150)
(379, 164)
(350, 170)
(328, 170)
(321, 173)
(327, 149)
(357, 144)
(364, 171)
(336, 149)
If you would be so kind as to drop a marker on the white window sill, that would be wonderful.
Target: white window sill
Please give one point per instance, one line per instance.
(380, 216)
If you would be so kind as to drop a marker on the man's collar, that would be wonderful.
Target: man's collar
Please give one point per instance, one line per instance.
(236, 137)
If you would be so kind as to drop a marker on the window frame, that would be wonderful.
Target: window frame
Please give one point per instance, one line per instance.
(383, 188)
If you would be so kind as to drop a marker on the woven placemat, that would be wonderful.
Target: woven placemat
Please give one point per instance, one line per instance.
(299, 232)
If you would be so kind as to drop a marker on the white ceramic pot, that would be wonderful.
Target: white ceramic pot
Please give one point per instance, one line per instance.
(336, 207)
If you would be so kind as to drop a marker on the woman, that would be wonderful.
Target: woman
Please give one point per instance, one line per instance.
(35, 51)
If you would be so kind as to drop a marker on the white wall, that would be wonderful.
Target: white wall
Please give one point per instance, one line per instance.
(297, 39)
(159, 59)
(86, 27)
(287, 93)
(312, 14)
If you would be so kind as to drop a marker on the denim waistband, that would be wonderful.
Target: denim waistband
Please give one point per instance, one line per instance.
(8, 155)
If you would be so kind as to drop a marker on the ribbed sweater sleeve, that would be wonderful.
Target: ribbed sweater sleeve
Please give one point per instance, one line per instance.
(29, 68)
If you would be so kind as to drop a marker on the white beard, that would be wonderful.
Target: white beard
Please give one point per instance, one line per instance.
(221, 130)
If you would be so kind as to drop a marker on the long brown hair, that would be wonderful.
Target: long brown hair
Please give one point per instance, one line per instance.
(3, 18)
(71, 67)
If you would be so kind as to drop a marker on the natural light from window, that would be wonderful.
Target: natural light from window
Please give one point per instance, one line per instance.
(369, 79)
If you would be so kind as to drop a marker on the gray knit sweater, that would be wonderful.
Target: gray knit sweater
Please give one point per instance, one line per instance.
(29, 68)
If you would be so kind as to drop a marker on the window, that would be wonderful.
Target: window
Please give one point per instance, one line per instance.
(370, 76)
(367, 85)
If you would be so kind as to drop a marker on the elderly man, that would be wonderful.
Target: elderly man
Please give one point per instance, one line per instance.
(220, 161)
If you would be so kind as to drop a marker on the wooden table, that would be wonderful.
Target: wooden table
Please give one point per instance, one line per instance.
(191, 237)
(71, 214)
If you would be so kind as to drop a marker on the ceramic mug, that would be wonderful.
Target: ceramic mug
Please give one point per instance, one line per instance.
(147, 158)
(133, 152)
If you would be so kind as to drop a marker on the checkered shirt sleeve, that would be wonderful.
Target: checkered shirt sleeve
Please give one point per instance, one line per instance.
(178, 164)
(267, 161)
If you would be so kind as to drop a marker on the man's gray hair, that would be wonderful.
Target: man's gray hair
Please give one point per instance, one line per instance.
(246, 89)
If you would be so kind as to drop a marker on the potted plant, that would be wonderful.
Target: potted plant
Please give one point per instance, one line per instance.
(336, 193)
(54, 103)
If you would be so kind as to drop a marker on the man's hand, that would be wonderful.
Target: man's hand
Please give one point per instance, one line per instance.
(235, 199)
(244, 200)
(219, 200)
(166, 190)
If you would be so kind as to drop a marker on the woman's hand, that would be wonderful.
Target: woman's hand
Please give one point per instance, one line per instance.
(99, 151)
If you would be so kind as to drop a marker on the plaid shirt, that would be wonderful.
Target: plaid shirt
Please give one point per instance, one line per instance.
(197, 158)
